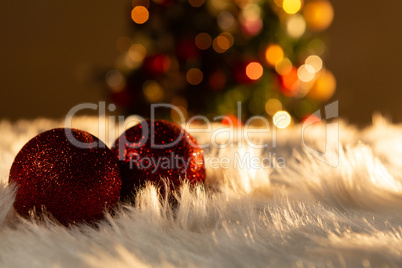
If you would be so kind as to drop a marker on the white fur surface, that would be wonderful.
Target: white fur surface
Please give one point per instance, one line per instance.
(308, 214)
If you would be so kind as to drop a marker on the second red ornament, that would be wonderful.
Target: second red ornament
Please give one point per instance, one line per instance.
(154, 150)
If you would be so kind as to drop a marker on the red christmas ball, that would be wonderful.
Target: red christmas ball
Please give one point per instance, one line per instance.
(154, 150)
(69, 172)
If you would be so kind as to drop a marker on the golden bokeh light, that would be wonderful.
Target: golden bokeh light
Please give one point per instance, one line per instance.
(139, 14)
(153, 91)
(319, 14)
(291, 6)
(115, 80)
(203, 41)
(194, 76)
(305, 73)
(179, 101)
(273, 54)
(223, 42)
(254, 70)
(226, 20)
(179, 116)
(291, 83)
(296, 26)
(282, 119)
(137, 52)
(196, 3)
(252, 12)
(283, 66)
(324, 87)
(273, 106)
(315, 62)
(229, 37)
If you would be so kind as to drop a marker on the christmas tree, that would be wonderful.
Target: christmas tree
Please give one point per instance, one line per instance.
(205, 56)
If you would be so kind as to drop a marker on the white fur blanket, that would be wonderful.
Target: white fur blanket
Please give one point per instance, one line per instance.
(307, 214)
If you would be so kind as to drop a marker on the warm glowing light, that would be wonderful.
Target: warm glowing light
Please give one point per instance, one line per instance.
(115, 80)
(315, 62)
(273, 54)
(223, 42)
(137, 52)
(254, 70)
(291, 83)
(305, 73)
(282, 119)
(319, 14)
(283, 66)
(203, 41)
(273, 106)
(196, 3)
(179, 101)
(291, 6)
(296, 26)
(252, 12)
(324, 87)
(194, 76)
(226, 20)
(252, 27)
(229, 36)
(176, 116)
(153, 91)
(278, 3)
(311, 120)
(139, 14)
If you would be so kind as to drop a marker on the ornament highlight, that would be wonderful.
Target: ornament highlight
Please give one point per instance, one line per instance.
(154, 150)
(74, 184)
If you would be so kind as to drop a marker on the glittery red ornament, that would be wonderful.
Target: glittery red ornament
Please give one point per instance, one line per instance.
(157, 149)
(75, 184)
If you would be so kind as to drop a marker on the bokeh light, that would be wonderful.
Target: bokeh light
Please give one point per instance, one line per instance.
(272, 106)
(254, 70)
(203, 41)
(319, 14)
(291, 6)
(252, 27)
(194, 76)
(176, 116)
(324, 87)
(273, 54)
(137, 52)
(223, 42)
(296, 26)
(115, 80)
(305, 73)
(139, 14)
(282, 119)
(153, 91)
(291, 83)
(315, 62)
(283, 66)
(226, 20)
(251, 12)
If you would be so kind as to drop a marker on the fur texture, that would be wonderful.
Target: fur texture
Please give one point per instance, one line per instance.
(307, 214)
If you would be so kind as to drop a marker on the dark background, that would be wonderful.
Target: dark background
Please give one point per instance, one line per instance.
(50, 50)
